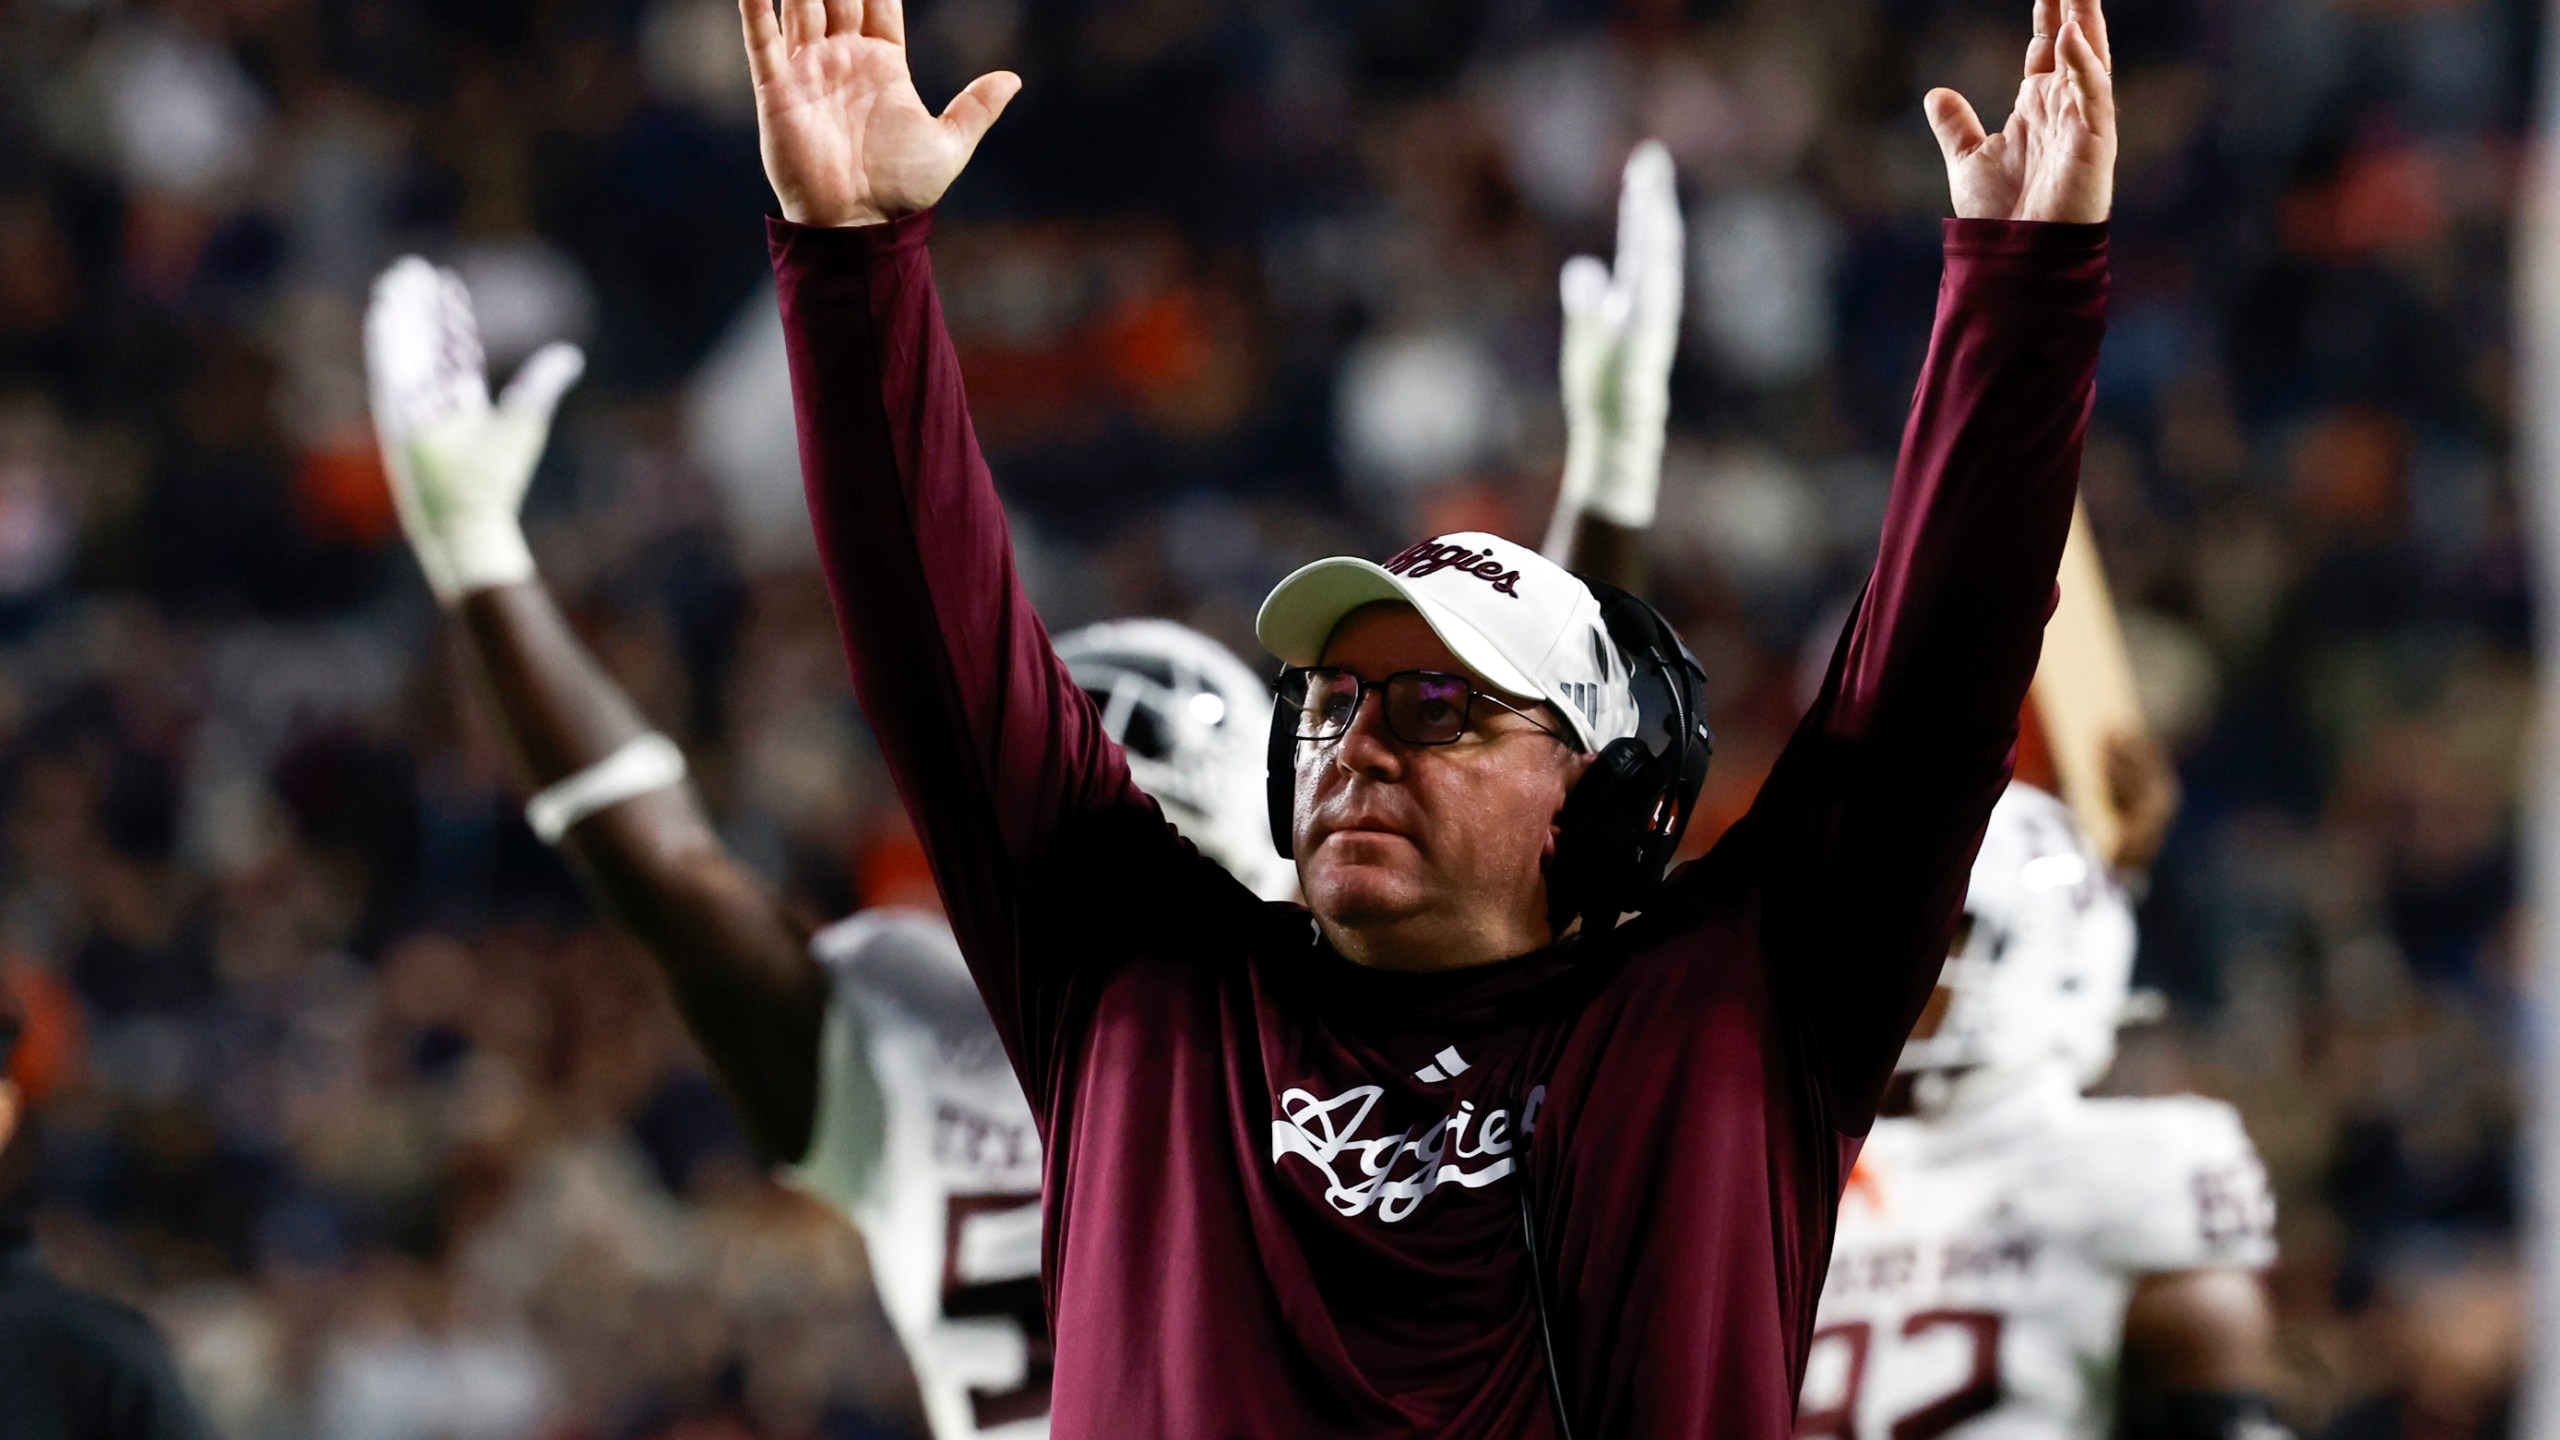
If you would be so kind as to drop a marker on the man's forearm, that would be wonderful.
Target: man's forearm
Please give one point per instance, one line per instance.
(961, 691)
(1004, 766)
(740, 969)
(1948, 634)
(1885, 789)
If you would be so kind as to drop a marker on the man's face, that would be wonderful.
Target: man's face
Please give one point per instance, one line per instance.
(1426, 857)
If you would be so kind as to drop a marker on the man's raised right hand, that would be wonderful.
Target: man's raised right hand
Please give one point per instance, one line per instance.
(846, 139)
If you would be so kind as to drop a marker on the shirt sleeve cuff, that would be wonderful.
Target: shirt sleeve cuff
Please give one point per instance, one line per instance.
(907, 232)
(2025, 238)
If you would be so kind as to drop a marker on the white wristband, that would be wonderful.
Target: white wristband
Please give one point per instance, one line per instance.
(649, 763)
(1628, 486)
(486, 554)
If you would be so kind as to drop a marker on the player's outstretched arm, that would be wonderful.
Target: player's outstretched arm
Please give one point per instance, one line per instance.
(736, 962)
(610, 788)
(2199, 1358)
(1621, 330)
(1866, 828)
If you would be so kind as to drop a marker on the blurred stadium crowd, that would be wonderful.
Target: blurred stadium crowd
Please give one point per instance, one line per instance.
(345, 1087)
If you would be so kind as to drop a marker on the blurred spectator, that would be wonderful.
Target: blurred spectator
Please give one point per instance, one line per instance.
(72, 1366)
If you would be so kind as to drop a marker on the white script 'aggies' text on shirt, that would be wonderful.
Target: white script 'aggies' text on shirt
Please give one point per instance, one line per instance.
(923, 1139)
(1982, 1266)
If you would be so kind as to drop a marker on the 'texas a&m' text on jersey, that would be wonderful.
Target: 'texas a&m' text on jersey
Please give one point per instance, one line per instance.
(924, 1142)
(1981, 1267)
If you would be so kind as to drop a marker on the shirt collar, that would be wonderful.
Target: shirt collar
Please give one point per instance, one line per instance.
(1547, 981)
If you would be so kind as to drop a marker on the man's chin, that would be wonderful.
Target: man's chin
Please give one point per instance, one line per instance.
(1361, 896)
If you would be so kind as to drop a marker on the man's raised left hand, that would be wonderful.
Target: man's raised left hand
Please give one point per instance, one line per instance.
(2056, 158)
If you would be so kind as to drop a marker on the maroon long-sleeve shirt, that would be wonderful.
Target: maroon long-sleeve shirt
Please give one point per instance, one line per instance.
(1280, 1188)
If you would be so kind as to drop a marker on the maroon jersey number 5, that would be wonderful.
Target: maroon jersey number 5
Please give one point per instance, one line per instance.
(1978, 1395)
(1017, 1299)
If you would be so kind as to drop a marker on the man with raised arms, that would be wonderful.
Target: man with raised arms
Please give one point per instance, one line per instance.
(858, 1056)
(1468, 1151)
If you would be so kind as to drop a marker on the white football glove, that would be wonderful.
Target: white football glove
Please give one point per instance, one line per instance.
(458, 464)
(1621, 328)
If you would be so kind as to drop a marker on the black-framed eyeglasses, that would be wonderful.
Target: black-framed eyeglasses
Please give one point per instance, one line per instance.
(1424, 707)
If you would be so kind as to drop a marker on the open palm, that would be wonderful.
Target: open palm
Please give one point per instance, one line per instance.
(846, 139)
(2056, 158)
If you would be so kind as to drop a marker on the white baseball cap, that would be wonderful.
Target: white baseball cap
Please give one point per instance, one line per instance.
(1523, 624)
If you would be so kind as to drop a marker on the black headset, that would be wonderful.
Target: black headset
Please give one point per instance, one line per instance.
(1624, 818)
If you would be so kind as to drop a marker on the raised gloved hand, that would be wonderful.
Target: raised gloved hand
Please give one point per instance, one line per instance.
(458, 464)
(1621, 329)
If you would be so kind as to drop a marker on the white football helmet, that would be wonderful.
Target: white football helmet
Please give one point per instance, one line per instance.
(2039, 980)
(1195, 723)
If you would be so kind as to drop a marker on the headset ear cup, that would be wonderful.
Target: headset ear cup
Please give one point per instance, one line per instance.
(1625, 820)
(1601, 837)
(1280, 775)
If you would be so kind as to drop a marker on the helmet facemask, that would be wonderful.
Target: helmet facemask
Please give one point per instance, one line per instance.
(1194, 723)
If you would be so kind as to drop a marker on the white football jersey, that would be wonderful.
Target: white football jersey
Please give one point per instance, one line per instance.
(924, 1141)
(1982, 1266)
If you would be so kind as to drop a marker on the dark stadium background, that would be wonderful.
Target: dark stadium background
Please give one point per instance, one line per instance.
(346, 1089)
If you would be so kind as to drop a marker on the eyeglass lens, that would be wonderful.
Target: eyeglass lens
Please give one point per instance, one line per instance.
(1424, 707)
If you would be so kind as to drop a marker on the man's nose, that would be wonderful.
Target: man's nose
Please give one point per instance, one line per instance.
(1368, 749)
